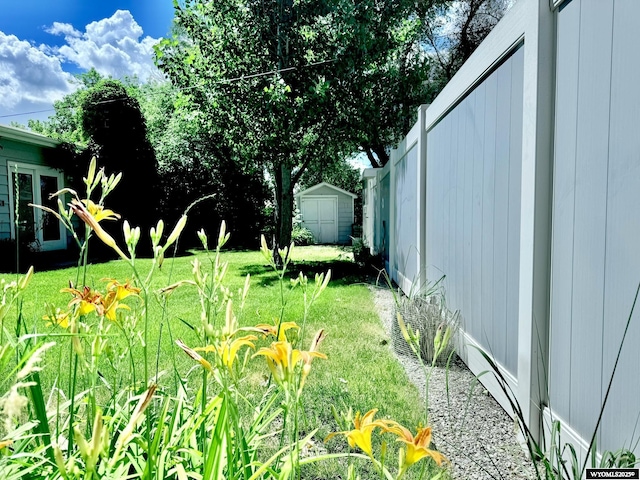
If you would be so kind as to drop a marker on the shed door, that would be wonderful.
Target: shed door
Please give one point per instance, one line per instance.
(320, 215)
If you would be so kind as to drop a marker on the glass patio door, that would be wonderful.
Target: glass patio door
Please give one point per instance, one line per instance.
(33, 184)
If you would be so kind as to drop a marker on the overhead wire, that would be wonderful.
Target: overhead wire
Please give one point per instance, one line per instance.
(182, 89)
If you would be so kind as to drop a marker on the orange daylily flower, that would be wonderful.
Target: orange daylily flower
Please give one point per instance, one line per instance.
(360, 436)
(417, 447)
(87, 299)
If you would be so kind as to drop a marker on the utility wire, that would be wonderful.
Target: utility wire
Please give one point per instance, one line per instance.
(217, 82)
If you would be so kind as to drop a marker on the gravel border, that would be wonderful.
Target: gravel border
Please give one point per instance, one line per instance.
(469, 427)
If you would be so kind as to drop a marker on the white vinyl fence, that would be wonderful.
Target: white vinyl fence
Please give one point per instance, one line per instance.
(521, 184)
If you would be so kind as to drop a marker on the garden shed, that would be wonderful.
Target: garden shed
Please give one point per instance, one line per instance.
(327, 211)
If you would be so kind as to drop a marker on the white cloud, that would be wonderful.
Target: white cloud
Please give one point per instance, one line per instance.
(113, 46)
(28, 76)
(65, 29)
(33, 77)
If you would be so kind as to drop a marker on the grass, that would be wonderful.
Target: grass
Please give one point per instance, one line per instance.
(361, 372)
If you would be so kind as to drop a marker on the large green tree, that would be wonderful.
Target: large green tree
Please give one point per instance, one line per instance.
(195, 164)
(287, 83)
(113, 121)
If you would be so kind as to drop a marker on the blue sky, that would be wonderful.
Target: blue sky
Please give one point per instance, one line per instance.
(44, 42)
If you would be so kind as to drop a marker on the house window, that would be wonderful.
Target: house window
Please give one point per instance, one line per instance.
(33, 184)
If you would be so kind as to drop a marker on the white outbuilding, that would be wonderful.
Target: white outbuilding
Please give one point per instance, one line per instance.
(327, 211)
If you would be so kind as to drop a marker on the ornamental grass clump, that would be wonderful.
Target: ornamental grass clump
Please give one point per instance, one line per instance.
(111, 413)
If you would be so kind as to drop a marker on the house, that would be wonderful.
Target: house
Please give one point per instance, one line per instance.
(328, 212)
(26, 177)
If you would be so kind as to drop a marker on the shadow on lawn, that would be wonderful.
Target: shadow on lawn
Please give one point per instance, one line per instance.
(343, 272)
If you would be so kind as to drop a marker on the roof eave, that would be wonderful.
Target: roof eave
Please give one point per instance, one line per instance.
(23, 136)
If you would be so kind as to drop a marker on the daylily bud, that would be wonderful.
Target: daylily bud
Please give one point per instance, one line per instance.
(403, 328)
(82, 443)
(126, 230)
(401, 458)
(57, 455)
(223, 236)
(92, 172)
(203, 239)
(209, 331)
(448, 333)
(96, 441)
(264, 248)
(136, 236)
(437, 340)
(245, 290)
(177, 230)
(156, 233)
(383, 451)
(24, 281)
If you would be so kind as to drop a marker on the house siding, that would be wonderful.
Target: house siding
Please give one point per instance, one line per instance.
(15, 152)
(5, 218)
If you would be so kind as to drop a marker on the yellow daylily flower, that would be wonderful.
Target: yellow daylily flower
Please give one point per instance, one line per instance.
(417, 447)
(282, 359)
(267, 329)
(99, 212)
(227, 351)
(122, 290)
(81, 211)
(110, 304)
(279, 360)
(360, 436)
(59, 318)
(195, 355)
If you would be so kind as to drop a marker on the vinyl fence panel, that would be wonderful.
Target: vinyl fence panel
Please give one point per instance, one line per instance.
(473, 180)
(595, 260)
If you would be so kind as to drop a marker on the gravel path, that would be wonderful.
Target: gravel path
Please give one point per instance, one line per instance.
(470, 428)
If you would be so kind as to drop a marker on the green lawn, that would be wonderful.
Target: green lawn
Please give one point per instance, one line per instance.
(360, 373)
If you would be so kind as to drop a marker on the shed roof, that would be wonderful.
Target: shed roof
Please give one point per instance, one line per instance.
(310, 190)
(25, 136)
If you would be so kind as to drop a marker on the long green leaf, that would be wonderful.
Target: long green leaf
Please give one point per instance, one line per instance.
(40, 411)
(215, 461)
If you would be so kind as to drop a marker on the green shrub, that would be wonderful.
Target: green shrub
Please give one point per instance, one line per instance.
(302, 236)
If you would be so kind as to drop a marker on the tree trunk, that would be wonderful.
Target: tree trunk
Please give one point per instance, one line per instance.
(284, 208)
